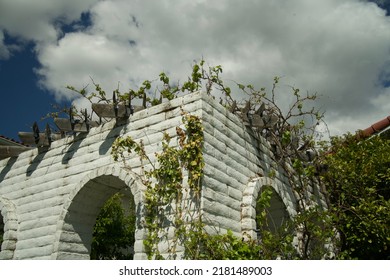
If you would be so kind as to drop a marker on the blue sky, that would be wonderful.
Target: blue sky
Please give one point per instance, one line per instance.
(23, 101)
(339, 49)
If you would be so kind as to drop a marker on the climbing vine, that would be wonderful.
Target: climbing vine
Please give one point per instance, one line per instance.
(173, 180)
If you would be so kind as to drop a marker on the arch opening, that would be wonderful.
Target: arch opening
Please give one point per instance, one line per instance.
(276, 212)
(114, 231)
(77, 233)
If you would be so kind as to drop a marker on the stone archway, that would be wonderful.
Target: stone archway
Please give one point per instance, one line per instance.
(8, 229)
(75, 227)
(282, 206)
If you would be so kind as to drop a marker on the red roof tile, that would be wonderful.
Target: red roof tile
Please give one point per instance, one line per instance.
(376, 127)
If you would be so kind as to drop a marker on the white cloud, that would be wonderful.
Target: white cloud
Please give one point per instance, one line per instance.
(38, 20)
(79, 57)
(339, 49)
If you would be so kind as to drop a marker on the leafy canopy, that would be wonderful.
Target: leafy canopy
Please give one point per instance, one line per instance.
(358, 183)
(113, 233)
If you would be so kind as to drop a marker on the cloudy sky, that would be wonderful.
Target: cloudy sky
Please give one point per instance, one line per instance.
(337, 48)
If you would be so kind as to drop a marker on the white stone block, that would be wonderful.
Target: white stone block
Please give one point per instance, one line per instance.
(6, 254)
(8, 244)
(31, 253)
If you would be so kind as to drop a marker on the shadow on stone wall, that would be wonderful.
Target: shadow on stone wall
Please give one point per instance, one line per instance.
(7, 168)
(77, 140)
(36, 161)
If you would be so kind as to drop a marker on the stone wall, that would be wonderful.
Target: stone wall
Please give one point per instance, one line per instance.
(49, 199)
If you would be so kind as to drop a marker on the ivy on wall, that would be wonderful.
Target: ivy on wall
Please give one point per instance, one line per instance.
(173, 180)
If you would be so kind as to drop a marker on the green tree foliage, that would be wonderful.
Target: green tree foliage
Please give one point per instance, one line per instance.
(113, 233)
(221, 247)
(358, 183)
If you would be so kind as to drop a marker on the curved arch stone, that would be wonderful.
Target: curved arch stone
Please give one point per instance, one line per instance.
(249, 198)
(10, 221)
(72, 240)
